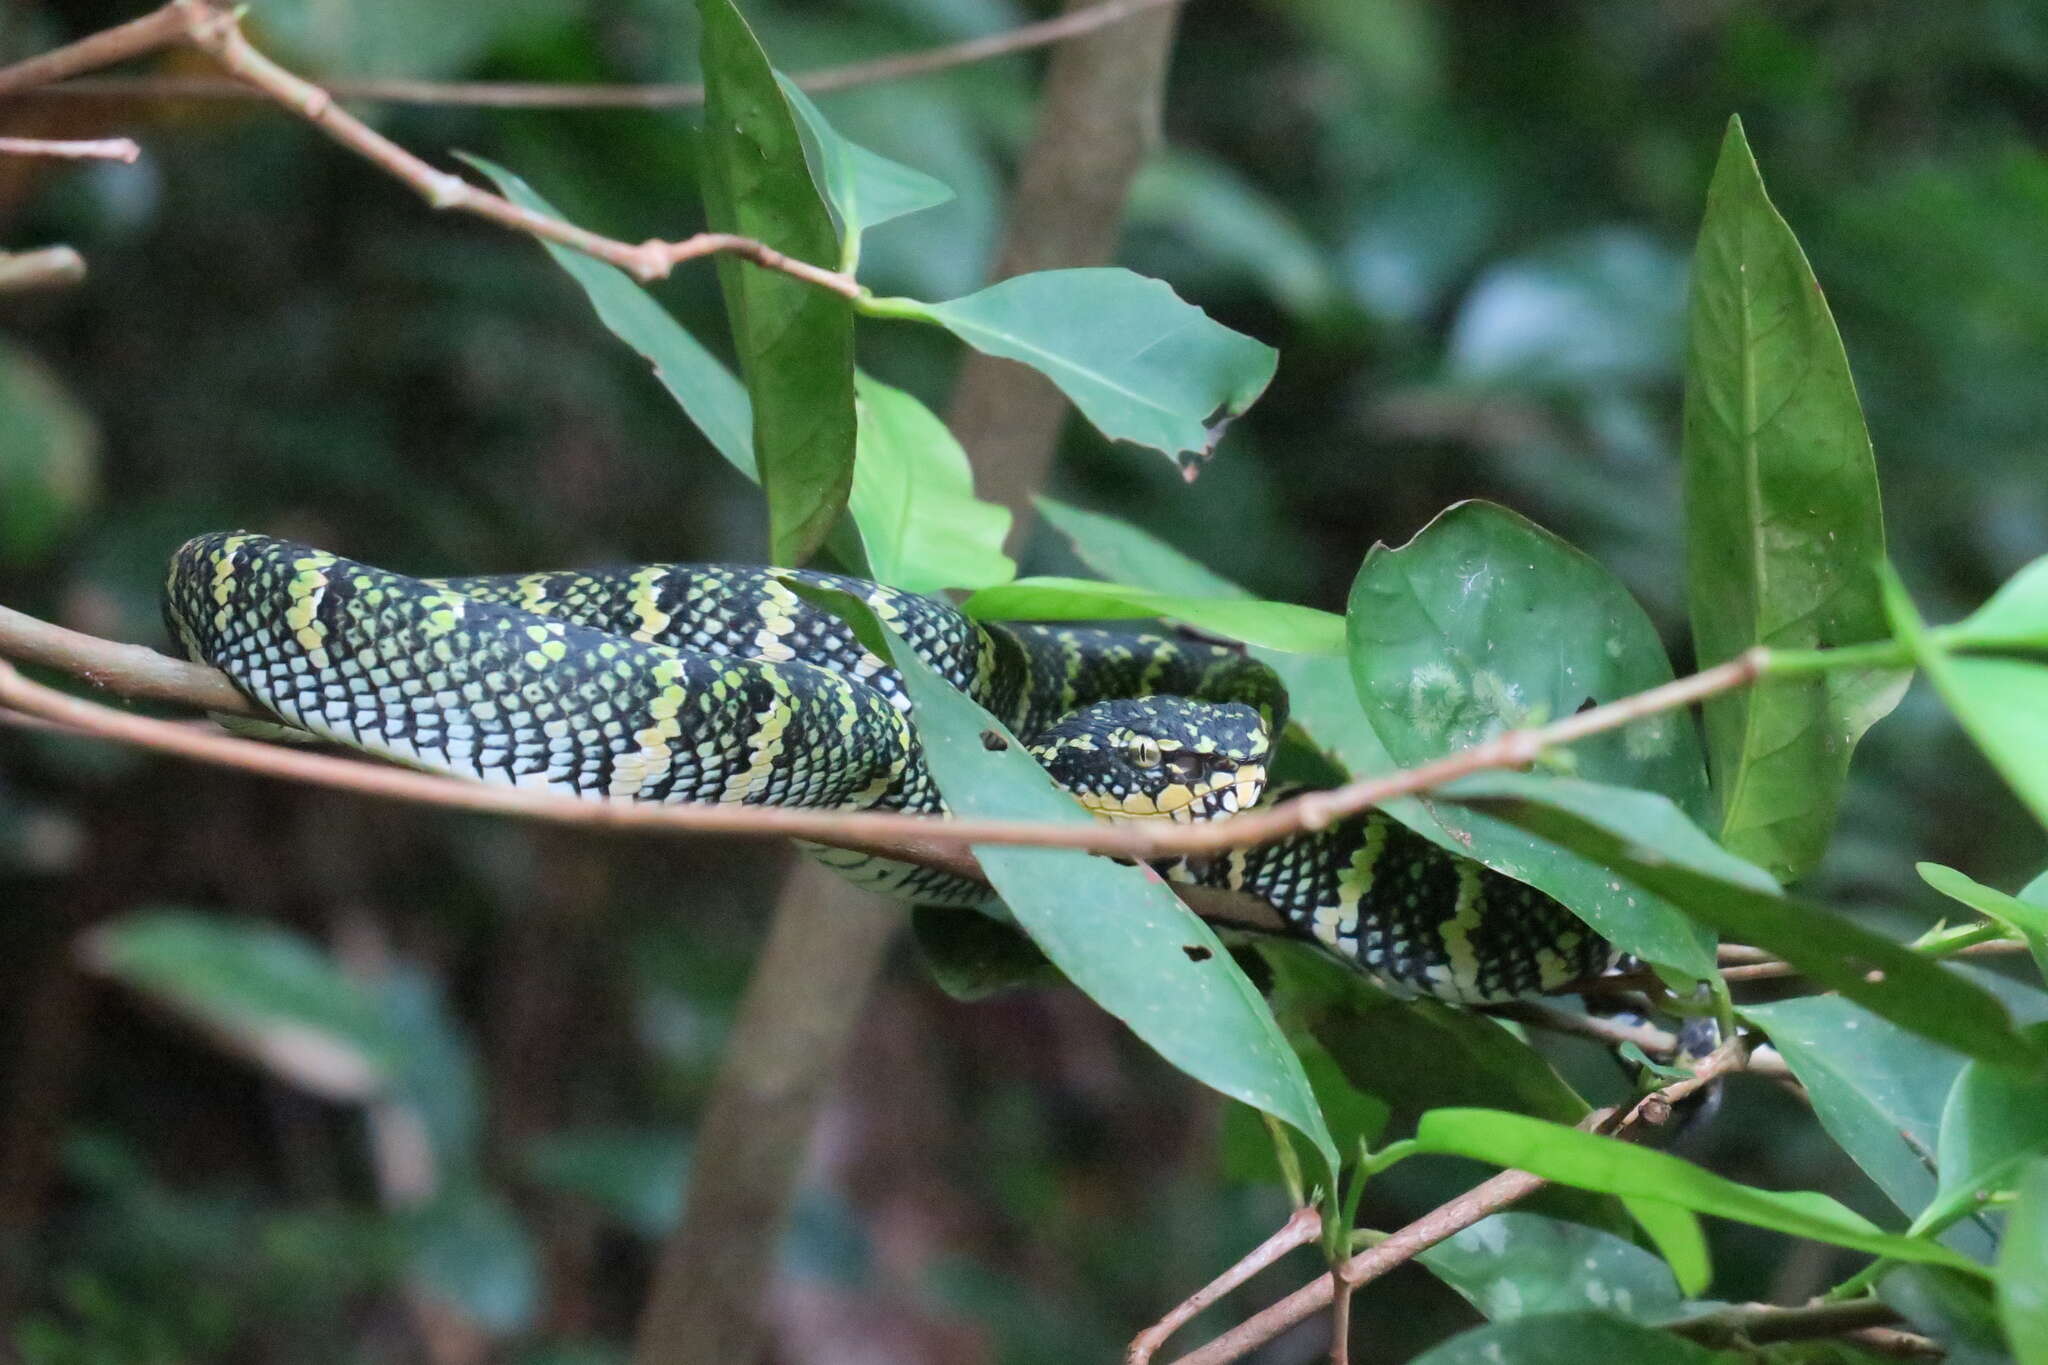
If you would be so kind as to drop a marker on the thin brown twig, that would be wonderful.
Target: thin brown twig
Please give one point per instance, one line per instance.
(47, 267)
(1447, 1219)
(1340, 1323)
(936, 839)
(1609, 1032)
(670, 95)
(96, 149)
(1758, 1324)
(159, 28)
(1301, 1228)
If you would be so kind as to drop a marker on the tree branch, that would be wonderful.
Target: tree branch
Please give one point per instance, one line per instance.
(1489, 1197)
(47, 267)
(939, 842)
(97, 149)
(1759, 1324)
(538, 95)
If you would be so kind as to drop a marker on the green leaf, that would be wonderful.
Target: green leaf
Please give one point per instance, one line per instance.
(1645, 925)
(469, 1250)
(634, 1175)
(1272, 625)
(2023, 1268)
(2017, 917)
(1140, 363)
(1117, 932)
(1957, 1311)
(794, 340)
(1876, 1090)
(1414, 1054)
(1782, 523)
(262, 993)
(1566, 1339)
(1230, 224)
(973, 957)
(1485, 622)
(1518, 1265)
(1121, 552)
(2002, 704)
(2016, 617)
(862, 188)
(1592, 1162)
(696, 379)
(49, 458)
(1886, 977)
(913, 499)
(1995, 1122)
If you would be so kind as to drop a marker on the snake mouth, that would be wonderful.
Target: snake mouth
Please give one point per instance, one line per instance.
(1211, 797)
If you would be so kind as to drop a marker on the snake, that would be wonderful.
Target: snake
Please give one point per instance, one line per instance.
(712, 683)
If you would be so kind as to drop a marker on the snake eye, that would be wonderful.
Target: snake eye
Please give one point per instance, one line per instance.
(1144, 752)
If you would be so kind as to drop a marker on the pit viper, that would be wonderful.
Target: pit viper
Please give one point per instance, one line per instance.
(715, 683)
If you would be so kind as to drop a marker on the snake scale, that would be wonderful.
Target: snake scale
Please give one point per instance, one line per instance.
(710, 683)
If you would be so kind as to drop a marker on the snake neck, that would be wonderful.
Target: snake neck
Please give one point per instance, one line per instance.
(1038, 673)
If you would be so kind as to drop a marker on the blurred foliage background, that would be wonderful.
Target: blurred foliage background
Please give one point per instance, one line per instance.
(1465, 226)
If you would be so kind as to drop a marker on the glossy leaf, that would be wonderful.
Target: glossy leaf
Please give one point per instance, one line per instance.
(794, 340)
(1782, 523)
(1518, 1265)
(1140, 362)
(1115, 931)
(696, 379)
(2016, 916)
(2023, 1268)
(1485, 622)
(1876, 1089)
(2002, 704)
(1590, 1161)
(862, 189)
(1995, 1122)
(1324, 702)
(913, 499)
(1272, 625)
(1415, 1054)
(263, 993)
(1645, 925)
(1567, 1339)
(1887, 978)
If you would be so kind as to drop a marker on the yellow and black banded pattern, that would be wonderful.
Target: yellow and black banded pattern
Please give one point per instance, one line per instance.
(715, 683)
(1416, 919)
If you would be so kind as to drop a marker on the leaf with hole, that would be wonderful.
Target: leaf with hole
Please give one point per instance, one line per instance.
(1141, 363)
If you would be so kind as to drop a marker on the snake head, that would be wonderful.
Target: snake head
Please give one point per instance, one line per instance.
(1159, 758)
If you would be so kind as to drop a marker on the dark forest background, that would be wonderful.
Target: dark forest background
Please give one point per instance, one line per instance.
(1464, 225)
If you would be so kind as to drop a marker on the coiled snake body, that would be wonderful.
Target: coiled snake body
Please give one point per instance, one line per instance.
(706, 683)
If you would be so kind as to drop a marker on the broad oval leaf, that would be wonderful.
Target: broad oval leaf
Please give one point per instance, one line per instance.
(861, 188)
(1593, 1162)
(1485, 622)
(1141, 363)
(1518, 1265)
(1567, 1339)
(2002, 704)
(2023, 1268)
(1271, 625)
(794, 340)
(1782, 523)
(261, 992)
(1116, 932)
(913, 499)
(1876, 1089)
(1886, 977)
